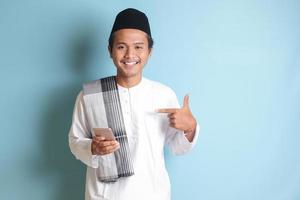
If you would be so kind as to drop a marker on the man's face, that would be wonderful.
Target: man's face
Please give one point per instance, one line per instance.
(130, 52)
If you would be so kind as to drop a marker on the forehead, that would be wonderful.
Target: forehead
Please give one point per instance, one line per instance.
(129, 36)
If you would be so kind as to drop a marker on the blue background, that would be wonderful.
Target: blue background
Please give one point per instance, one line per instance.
(239, 60)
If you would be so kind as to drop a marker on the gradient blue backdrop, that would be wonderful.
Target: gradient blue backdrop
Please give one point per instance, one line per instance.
(239, 60)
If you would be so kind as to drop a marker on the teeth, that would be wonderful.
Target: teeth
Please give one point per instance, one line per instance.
(130, 63)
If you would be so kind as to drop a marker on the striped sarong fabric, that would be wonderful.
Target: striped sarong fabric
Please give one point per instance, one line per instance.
(116, 123)
(103, 94)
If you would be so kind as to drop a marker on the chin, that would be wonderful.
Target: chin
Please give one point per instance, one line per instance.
(129, 74)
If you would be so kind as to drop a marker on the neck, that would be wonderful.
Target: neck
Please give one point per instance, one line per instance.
(128, 82)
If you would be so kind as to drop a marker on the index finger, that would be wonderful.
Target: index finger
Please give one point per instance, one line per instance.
(108, 143)
(98, 138)
(167, 110)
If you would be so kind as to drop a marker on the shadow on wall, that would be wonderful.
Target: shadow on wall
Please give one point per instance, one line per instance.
(69, 173)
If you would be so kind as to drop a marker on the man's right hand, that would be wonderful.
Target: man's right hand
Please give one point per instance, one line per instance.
(100, 146)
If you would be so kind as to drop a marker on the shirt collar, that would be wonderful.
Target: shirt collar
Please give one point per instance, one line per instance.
(134, 88)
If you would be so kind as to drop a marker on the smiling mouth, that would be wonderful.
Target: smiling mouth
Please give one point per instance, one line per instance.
(131, 63)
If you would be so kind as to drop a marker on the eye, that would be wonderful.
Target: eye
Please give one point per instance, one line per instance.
(120, 47)
(138, 47)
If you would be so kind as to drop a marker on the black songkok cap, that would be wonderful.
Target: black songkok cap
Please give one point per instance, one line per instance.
(131, 18)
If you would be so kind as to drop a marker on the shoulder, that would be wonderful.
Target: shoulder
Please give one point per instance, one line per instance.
(163, 95)
(159, 87)
(95, 86)
(91, 87)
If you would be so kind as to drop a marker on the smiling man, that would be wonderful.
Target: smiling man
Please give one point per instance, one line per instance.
(141, 115)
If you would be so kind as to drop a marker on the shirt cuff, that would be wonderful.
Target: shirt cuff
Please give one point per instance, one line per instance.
(94, 158)
(192, 143)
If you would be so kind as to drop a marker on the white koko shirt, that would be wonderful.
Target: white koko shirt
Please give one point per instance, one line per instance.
(147, 131)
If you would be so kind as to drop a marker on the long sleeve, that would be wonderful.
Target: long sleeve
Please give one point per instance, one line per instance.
(80, 136)
(176, 139)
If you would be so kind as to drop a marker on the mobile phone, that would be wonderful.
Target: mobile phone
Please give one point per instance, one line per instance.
(104, 132)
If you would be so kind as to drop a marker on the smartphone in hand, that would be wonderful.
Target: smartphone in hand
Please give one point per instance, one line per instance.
(104, 132)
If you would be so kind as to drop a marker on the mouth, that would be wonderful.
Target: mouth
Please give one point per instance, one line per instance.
(130, 63)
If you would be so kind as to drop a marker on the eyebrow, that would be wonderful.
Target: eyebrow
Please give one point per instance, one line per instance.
(139, 43)
(135, 43)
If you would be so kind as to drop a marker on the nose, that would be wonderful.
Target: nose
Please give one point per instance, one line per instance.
(129, 52)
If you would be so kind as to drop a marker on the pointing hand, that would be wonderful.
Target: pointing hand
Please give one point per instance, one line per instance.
(182, 118)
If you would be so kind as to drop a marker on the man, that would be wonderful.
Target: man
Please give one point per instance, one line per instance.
(144, 116)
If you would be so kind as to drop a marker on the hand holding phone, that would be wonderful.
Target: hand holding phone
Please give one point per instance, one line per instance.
(104, 132)
(106, 145)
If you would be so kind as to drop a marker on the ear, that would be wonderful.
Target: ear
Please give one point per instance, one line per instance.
(109, 51)
(150, 51)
